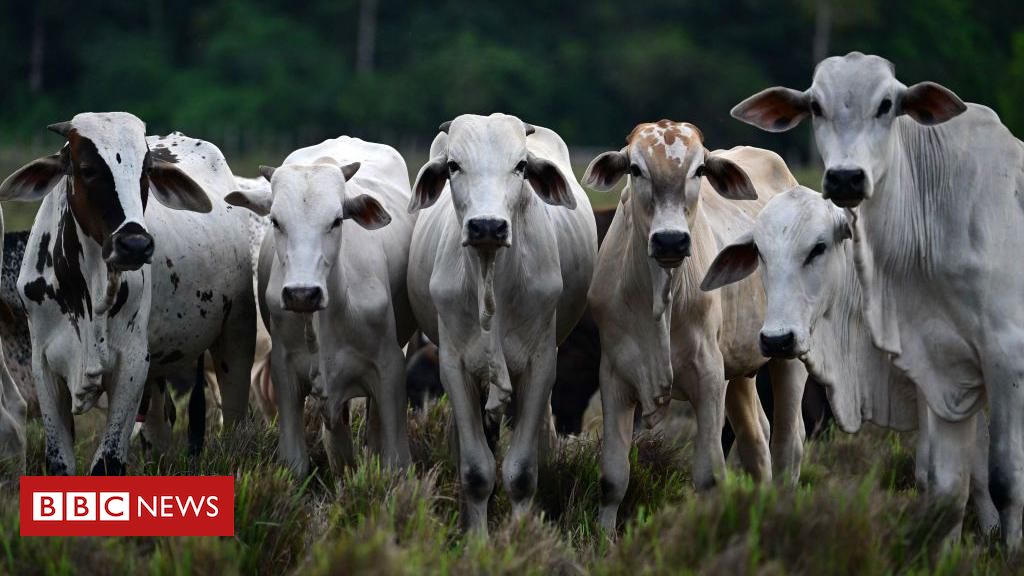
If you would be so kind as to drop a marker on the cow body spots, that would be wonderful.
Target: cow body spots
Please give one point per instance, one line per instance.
(164, 153)
(175, 280)
(44, 259)
(206, 296)
(665, 144)
(36, 290)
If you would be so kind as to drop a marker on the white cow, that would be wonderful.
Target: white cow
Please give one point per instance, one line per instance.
(501, 259)
(661, 336)
(816, 313)
(932, 187)
(334, 295)
(102, 317)
(13, 408)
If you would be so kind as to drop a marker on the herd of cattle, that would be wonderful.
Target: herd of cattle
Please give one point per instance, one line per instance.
(894, 289)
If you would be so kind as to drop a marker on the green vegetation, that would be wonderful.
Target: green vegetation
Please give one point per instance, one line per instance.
(855, 512)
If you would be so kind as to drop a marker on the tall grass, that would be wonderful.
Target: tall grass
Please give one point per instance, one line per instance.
(856, 511)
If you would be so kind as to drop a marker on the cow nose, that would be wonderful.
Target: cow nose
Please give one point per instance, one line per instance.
(302, 298)
(132, 250)
(487, 232)
(778, 345)
(845, 186)
(670, 247)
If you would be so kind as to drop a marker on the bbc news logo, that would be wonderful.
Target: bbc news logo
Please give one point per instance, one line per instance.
(127, 506)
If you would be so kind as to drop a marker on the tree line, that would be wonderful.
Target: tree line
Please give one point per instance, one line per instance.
(394, 69)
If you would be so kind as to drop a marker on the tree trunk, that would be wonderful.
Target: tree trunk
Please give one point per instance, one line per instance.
(36, 52)
(366, 39)
(819, 51)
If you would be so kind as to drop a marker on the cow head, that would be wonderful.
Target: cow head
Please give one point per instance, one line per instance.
(110, 173)
(797, 239)
(854, 101)
(666, 162)
(491, 174)
(307, 205)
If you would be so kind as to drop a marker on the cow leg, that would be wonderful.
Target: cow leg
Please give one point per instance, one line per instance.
(533, 399)
(58, 424)
(390, 403)
(741, 404)
(291, 442)
(950, 444)
(617, 417)
(156, 429)
(233, 354)
(13, 400)
(124, 390)
(787, 435)
(12, 420)
(922, 456)
(988, 516)
(1006, 443)
(476, 461)
(337, 435)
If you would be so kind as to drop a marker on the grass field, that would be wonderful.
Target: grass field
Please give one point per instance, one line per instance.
(855, 512)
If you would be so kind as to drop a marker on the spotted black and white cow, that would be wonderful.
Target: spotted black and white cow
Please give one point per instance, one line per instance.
(13, 408)
(120, 290)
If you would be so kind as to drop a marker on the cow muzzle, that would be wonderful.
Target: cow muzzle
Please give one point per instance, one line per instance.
(486, 232)
(303, 299)
(130, 248)
(670, 247)
(845, 187)
(779, 345)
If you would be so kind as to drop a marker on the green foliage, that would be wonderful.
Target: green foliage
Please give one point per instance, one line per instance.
(274, 75)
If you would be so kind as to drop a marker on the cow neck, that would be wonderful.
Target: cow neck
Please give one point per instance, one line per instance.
(506, 270)
(884, 255)
(86, 291)
(859, 380)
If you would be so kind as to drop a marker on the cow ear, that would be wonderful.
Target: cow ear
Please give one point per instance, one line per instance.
(268, 172)
(349, 170)
(728, 179)
(929, 103)
(843, 230)
(606, 170)
(175, 189)
(366, 211)
(35, 179)
(429, 183)
(775, 109)
(548, 182)
(258, 200)
(734, 263)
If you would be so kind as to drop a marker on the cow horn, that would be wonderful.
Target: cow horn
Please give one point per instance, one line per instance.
(445, 126)
(62, 128)
(529, 128)
(267, 172)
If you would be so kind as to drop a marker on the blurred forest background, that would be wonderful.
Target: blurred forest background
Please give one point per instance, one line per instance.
(262, 77)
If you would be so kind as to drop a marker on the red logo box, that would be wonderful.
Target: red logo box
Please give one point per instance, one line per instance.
(127, 506)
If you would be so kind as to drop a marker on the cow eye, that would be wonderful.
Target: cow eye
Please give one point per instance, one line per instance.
(275, 224)
(87, 171)
(816, 109)
(884, 108)
(634, 171)
(336, 223)
(521, 168)
(453, 167)
(818, 250)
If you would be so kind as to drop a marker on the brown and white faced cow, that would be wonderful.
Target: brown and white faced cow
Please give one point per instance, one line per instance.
(932, 188)
(102, 318)
(661, 336)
